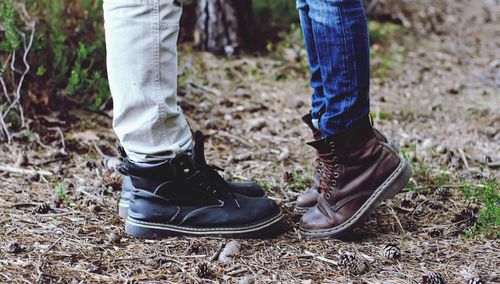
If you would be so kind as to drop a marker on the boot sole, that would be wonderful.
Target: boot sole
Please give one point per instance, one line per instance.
(393, 185)
(301, 210)
(147, 230)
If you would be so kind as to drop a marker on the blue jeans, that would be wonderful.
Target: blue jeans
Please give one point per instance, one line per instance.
(336, 38)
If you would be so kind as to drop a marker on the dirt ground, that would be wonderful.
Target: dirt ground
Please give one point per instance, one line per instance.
(439, 101)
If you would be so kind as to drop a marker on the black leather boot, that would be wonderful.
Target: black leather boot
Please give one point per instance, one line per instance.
(185, 196)
(250, 189)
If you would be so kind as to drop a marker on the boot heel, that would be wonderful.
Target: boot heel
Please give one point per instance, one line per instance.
(123, 210)
(400, 182)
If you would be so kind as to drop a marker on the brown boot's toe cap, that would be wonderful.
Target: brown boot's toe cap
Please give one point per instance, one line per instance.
(308, 199)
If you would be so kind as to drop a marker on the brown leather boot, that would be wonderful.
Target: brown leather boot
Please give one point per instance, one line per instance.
(310, 197)
(359, 171)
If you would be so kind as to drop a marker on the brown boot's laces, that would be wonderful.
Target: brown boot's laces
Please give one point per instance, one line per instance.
(330, 172)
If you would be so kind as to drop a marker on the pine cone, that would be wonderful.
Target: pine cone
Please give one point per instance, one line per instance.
(43, 208)
(410, 226)
(434, 278)
(390, 251)
(13, 247)
(442, 192)
(465, 214)
(353, 264)
(475, 280)
(471, 222)
(411, 195)
(204, 271)
(407, 203)
(435, 204)
(434, 233)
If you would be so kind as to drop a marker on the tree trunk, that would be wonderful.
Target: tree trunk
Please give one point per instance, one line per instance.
(222, 25)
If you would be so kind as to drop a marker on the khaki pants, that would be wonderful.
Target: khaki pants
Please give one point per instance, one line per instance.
(141, 43)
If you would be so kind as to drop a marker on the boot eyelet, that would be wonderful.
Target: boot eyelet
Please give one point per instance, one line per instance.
(336, 175)
(334, 183)
(335, 159)
(321, 164)
(332, 188)
(328, 196)
(337, 166)
(332, 144)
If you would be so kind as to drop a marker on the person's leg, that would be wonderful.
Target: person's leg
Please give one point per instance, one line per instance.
(319, 102)
(340, 33)
(318, 98)
(360, 168)
(172, 191)
(310, 196)
(141, 41)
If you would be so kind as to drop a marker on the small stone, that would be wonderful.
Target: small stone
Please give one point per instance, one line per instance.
(242, 157)
(94, 208)
(114, 238)
(474, 207)
(13, 247)
(441, 149)
(151, 263)
(22, 160)
(79, 231)
(229, 252)
(58, 170)
(427, 143)
(247, 279)
(434, 278)
(390, 251)
(257, 124)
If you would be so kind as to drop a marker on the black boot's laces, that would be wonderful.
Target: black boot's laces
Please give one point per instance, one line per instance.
(211, 173)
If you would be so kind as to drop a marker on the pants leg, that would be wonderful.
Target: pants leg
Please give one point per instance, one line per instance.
(141, 43)
(340, 32)
(318, 97)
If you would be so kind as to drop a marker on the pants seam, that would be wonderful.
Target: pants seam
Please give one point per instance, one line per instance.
(157, 46)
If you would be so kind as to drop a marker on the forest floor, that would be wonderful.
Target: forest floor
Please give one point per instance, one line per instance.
(436, 94)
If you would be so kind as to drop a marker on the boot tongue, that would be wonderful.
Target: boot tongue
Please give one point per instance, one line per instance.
(198, 151)
(320, 145)
(307, 119)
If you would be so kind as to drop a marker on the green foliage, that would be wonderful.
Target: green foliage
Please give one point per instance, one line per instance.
(68, 54)
(272, 20)
(10, 40)
(382, 32)
(488, 197)
(61, 192)
(298, 182)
